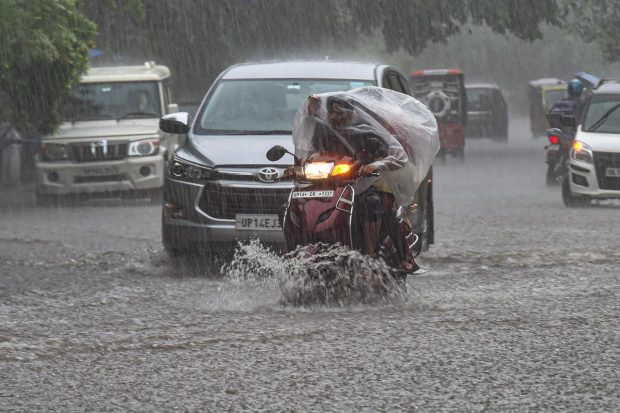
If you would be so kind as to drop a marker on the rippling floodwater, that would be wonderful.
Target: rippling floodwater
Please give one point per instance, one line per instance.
(518, 312)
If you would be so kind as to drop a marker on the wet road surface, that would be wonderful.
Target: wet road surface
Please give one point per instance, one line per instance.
(519, 311)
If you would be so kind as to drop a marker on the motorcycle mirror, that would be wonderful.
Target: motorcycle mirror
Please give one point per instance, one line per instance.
(276, 153)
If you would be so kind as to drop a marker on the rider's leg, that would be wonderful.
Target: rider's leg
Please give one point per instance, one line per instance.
(371, 219)
(398, 231)
(372, 232)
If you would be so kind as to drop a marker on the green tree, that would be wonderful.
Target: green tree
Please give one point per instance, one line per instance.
(596, 21)
(43, 51)
(199, 39)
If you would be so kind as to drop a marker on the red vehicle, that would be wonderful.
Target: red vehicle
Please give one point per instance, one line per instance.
(443, 92)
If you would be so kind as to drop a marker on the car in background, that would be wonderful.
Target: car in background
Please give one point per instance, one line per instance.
(109, 141)
(487, 112)
(220, 187)
(594, 159)
(443, 92)
(542, 94)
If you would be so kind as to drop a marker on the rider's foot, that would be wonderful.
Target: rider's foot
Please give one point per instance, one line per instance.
(408, 265)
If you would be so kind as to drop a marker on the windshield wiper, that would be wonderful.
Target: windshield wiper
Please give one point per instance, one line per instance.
(247, 132)
(138, 115)
(603, 118)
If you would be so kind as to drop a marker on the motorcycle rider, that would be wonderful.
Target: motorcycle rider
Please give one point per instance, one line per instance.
(572, 104)
(375, 202)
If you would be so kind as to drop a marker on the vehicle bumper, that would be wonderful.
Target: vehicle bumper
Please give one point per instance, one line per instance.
(91, 177)
(187, 223)
(583, 181)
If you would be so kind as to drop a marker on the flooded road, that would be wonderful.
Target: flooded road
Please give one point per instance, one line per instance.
(518, 312)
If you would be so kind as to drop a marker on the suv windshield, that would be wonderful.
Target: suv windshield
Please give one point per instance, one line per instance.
(603, 114)
(115, 100)
(262, 106)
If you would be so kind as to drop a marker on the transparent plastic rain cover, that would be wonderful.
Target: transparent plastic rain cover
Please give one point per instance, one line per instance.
(405, 126)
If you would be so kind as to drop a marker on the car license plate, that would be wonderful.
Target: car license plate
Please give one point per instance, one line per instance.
(313, 194)
(99, 170)
(249, 222)
(612, 172)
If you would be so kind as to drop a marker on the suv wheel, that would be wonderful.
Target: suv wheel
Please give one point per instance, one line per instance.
(571, 200)
(172, 244)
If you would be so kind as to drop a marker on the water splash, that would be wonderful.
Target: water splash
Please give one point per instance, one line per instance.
(321, 274)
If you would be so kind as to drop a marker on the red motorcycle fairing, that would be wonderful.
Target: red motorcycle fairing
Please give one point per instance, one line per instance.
(311, 220)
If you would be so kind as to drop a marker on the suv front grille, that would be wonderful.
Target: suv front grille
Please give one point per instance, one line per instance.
(224, 202)
(602, 161)
(94, 152)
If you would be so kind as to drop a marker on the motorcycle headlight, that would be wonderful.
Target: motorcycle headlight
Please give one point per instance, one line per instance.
(581, 152)
(187, 172)
(318, 170)
(55, 152)
(144, 147)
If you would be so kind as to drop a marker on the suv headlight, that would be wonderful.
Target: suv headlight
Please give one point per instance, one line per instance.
(54, 152)
(188, 172)
(581, 152)
(144, 147)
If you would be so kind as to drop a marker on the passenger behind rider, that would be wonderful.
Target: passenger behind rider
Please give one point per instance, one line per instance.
(376, 202)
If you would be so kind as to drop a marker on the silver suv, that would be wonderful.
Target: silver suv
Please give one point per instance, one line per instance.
(219, 187)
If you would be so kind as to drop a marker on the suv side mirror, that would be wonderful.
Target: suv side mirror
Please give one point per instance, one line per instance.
(176, 123)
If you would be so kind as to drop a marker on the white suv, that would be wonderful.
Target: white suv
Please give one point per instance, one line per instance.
(109, 140)
(594, 162)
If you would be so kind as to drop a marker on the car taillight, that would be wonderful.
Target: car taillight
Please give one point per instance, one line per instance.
(554, 139)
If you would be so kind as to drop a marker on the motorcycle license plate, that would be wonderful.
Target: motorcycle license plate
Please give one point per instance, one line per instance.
(313, 194)
(551, 147)
(612, 172)
(249, 222)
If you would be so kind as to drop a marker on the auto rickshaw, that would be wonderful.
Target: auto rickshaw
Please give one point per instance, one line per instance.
(542, 94)
(443, 92)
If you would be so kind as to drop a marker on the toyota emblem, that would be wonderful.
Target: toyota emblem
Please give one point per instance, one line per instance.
(268, 174)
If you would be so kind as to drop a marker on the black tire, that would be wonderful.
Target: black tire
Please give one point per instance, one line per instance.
(430, 210)
(502, 137)
(442, 156)
(570, 200)
(550, 178)
(172, 244)
(460, 154)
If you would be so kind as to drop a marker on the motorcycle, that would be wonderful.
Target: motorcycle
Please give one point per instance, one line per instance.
(560, 141)
(322, 209)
